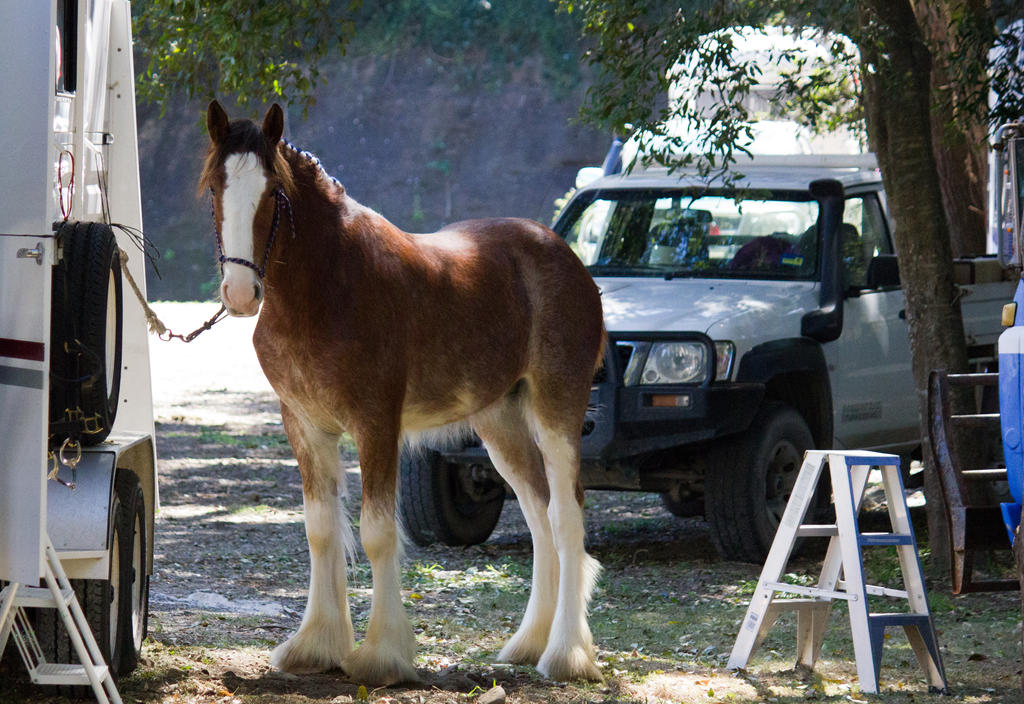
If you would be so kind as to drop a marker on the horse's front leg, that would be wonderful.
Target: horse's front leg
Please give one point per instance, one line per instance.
(324, 638)
(386, 654)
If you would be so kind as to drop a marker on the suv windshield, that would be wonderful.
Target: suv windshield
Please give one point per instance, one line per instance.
(675, 233)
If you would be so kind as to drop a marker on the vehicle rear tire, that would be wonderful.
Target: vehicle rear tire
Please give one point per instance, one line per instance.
(133, 618)
(87, 321)
(748, 482)
(445, 502)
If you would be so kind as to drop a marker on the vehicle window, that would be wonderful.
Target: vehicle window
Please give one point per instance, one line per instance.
(67, 46)
(863, 235)
(637, 233)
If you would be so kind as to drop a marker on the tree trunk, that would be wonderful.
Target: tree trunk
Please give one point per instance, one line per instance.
(958, 140)
(897, 107)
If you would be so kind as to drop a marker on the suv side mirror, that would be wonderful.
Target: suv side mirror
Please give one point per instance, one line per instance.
(826, 323)
(883, 272)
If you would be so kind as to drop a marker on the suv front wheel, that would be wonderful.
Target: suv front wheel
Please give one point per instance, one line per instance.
(749, 481)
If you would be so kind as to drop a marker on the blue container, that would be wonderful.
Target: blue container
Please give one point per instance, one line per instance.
(1011, 410)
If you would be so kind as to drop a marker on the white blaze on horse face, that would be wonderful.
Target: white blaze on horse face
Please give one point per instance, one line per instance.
(240, 291)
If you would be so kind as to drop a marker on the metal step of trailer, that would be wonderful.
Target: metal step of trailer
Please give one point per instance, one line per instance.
(90, 671)
(53, 673)
(39, 597)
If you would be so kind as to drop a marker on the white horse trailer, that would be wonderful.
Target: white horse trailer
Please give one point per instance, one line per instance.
(77, 449)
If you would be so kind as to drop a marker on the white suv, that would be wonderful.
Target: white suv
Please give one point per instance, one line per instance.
(747, 323)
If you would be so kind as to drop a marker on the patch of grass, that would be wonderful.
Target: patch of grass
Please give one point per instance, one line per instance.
(940, 602)
(214, 436)
(348, 445)
(217, 436)
(624, 526)
(177, 434)
(253, 510)
(882, 566)
(506, 575)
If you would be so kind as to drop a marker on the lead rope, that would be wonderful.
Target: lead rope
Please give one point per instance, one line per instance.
(153, 320)
(157, 326)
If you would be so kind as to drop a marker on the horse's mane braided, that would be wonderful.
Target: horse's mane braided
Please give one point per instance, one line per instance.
(312, 158)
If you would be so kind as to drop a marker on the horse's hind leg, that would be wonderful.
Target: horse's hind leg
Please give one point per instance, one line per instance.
(324, 638)
(386, 654)
(570, 649)
(507, 437)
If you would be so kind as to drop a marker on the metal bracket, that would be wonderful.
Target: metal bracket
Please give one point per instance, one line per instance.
(32, 253)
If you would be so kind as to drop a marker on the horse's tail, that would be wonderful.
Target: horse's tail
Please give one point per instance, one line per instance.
(601, 349)
(593, 410)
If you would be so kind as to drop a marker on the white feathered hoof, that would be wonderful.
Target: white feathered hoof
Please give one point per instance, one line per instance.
(569, 665)
(523, 649)
(377, 667)
(307, 652)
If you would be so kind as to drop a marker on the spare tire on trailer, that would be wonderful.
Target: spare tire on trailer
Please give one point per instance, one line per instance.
(86, 325)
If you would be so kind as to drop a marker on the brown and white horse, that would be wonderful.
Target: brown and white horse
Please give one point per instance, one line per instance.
(489, 324)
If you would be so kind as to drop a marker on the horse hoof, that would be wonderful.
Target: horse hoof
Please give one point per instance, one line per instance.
(522, 650)
(566, 666)
(301, 655)
(373, 667)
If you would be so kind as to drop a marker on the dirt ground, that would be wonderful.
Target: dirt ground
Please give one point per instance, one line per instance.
(231, 570)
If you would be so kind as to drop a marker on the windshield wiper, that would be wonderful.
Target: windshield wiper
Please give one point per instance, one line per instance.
(609, 269)
(693, 273)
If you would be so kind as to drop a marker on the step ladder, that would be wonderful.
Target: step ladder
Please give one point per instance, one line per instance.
(842, 573)
(57, 594)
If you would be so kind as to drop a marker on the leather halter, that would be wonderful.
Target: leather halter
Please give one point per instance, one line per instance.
(281, 201)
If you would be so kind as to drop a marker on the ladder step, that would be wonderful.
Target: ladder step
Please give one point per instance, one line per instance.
(900, 619)
(806, 591)
(872, 539)
(40, 597)
(869, 460)
(58, 673)
(810, 530)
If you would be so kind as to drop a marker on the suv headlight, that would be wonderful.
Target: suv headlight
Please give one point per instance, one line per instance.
(675, 363)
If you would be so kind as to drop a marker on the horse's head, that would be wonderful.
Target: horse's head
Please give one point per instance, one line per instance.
(247, 176)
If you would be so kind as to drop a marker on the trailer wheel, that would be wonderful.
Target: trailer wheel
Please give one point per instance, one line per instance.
(116, 608)
(748, 482)
(98, 599)
(87, 324)
(446, 502)
(133, 589)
